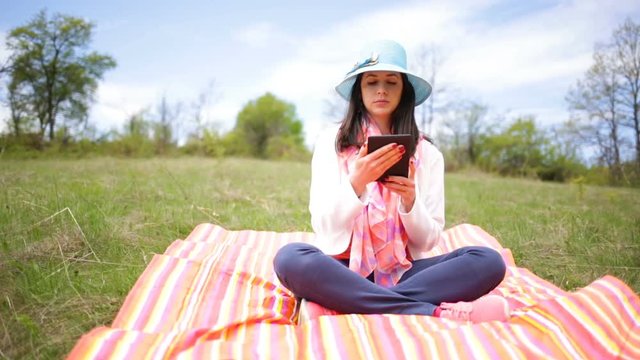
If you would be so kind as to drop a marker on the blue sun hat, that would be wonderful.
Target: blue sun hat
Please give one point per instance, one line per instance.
(384, 55)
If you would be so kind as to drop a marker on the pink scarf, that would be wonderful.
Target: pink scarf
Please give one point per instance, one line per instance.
(378, 240)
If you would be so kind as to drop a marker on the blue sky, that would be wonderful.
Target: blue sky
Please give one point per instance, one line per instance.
(518, 57)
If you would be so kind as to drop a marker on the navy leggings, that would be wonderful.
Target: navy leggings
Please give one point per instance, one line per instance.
(464, 274)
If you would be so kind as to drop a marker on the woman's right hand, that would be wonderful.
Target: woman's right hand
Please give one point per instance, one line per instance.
(369, 167)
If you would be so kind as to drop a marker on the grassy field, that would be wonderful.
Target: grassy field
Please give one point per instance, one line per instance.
(76, 234)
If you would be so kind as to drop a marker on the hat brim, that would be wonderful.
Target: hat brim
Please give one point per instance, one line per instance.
(421, 87)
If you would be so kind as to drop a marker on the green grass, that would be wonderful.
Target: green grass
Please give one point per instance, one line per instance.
(567, 234)
(76, 234)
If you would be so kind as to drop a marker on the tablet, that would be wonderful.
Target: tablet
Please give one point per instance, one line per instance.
(401, 168)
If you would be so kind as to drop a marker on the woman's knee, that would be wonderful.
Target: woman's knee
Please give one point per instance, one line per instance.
(491, 264)
(291, 258)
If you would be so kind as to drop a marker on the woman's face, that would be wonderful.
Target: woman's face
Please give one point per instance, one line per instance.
(381, 92)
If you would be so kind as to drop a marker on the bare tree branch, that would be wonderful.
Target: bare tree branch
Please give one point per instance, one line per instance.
(428, 62)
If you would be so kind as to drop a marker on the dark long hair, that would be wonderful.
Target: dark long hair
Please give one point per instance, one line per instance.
(403, 120)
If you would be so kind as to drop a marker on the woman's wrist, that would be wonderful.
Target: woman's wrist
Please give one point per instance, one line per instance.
(358, 188)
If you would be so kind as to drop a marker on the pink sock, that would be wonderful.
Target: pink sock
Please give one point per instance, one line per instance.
(437, 311)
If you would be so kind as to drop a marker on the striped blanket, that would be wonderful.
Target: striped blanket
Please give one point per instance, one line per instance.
(215, 295)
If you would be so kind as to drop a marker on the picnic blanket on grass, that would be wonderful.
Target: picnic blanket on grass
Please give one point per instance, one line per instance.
(214, 295)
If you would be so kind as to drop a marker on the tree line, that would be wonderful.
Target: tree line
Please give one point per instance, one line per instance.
(606, 103)
(599, 143)
(519, 147)
(50, 79)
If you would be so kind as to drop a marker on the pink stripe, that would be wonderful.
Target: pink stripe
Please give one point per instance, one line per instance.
(167, 265)
(175, 301)
(200, 232)
(487, 344)
(213, 294)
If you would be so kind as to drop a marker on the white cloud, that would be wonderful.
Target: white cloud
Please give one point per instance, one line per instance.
(223, 114)
(258, 35)
(552, 44)
(115, 102)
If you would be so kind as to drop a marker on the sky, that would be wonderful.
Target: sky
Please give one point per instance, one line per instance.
(517, 57)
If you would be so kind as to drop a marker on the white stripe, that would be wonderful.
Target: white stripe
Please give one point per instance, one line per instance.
(628, 308)
(511, 343)
(362, 334)
(292, 343)
(161, 351)
(202, 277)
(523, 339)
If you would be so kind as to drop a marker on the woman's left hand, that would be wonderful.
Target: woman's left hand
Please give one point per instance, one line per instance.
(405, 187)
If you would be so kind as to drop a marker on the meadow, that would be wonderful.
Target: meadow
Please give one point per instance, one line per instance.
(76, 234)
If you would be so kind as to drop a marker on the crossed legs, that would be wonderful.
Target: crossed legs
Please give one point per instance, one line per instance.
(464, 274)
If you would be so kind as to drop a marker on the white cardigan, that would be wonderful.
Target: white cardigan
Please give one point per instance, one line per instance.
(334, 205)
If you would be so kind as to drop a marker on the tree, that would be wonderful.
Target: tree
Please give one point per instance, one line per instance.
(561, 155)
(52, 75)
(626, 49)
(596, 98)
(464, 125)
(522, 149)
(265, 125)
(163, 128)
(4, 66)
(428, 62)
(518, 150)
(199, 118)
(607, 99)
(202, 135)
(135, 139)
(19, 113)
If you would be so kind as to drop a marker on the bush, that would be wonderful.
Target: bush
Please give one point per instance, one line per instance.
(212, 144)
(132, 146)
(235, 144)
(286, 148)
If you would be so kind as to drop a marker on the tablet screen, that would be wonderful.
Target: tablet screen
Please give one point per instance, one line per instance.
(401, 168)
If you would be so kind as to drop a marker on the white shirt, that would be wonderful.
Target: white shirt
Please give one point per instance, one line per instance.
(334, 204)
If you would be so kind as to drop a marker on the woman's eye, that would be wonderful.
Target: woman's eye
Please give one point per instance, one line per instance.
(391, 82)
(372, 82)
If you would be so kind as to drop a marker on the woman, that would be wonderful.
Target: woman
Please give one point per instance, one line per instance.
(372, 235)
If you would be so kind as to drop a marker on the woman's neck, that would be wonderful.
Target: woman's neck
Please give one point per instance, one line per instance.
(383, 124)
